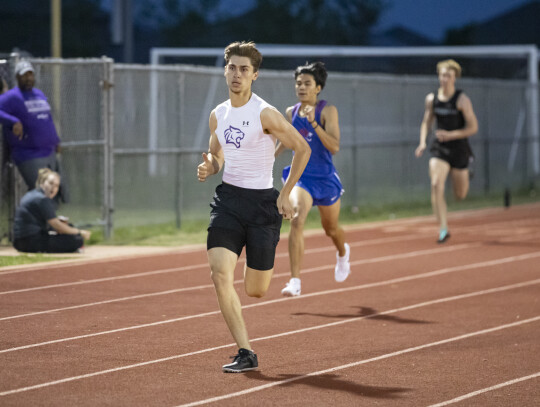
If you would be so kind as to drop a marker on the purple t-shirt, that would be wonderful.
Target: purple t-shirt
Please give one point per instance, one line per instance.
(34, 112)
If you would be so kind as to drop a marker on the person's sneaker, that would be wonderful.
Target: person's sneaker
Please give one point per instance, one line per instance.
(444, 235)
(244, 361)
(343, 267)
(293, 288)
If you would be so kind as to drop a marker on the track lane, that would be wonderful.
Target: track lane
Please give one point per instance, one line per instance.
(151, 310)
(522, 240)
(392, 336)
(304, 310)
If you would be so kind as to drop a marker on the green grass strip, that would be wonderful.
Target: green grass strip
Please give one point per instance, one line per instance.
(6, 261)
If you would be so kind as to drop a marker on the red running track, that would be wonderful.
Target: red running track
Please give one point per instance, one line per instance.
(416, 324)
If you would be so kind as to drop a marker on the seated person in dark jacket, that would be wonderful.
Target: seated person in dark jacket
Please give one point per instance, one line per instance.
(36, 215)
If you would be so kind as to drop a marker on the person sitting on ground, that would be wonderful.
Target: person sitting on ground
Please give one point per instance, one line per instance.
(36, 216)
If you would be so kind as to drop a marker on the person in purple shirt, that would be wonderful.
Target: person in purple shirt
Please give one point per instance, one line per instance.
(28, 127)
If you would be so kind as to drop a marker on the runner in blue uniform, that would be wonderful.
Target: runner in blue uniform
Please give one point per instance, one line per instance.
(450, 150)
(319, 184)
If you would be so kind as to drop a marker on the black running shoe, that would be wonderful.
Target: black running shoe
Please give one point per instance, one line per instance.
(245, 361)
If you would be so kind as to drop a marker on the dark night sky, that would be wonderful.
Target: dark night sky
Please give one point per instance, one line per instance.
(433, 17)
(430, 18)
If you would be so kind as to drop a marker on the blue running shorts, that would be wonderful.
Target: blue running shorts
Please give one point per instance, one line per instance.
(325, 191)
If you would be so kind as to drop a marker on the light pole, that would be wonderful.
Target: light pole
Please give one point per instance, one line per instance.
(56, 28)
(122, 27)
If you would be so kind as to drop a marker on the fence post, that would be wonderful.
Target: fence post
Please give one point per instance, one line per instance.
(486, 144)
(533, 111)
(18, 186)
(108, 144)
(354, 206)
(178, 194)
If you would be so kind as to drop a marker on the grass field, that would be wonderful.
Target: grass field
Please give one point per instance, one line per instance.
(6, 261)
(194, 231)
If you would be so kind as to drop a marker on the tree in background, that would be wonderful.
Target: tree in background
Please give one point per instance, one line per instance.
(176, 23)
(86, 29)
(339, 22)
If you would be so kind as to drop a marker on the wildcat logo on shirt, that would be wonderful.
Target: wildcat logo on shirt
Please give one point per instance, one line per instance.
(234, 136)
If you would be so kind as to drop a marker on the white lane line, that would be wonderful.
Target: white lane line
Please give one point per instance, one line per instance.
(380, 240)
(112, 300)
(101, 280)
(331, 324)
(312, 233)
(201, 265)
(481, 391)
(358, 363)
(112, 331)
(205, 265)
(416, 236)
(206, 286)
(308, 295)
(74, 262)
(277, 275)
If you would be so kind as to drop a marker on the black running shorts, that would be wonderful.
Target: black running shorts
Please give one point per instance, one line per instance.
(456, 153)
(246, 217)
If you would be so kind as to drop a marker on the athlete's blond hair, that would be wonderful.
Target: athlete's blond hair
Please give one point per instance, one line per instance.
(450, 64)
(43, 174)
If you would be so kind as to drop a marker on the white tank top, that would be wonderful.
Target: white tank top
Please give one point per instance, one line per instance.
(248, 151)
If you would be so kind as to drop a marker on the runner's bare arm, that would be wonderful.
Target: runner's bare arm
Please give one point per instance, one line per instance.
(330, 134)
(274, 123)
(427, 122)
(213, 161)
(471, 122)
(280, 147)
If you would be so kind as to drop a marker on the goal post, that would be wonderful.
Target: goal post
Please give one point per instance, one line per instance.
(528, 52)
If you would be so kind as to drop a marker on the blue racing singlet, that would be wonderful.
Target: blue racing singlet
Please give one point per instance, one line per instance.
(320, 178)
(320, 163)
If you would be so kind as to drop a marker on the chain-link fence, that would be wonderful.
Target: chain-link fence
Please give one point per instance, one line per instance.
(159, 118)
(7, 195)
(161, 128)
(80, 96)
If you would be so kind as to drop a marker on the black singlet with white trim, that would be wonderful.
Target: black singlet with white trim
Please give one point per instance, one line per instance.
(449, 117)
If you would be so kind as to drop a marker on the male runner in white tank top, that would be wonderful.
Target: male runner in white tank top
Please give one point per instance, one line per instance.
(246, 210)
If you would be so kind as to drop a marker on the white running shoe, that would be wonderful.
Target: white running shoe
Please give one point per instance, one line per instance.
(292, 289)
(343, 267)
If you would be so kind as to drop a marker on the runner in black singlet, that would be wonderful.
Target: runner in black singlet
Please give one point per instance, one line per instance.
(450, 150)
